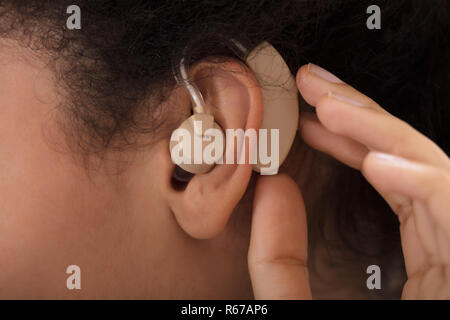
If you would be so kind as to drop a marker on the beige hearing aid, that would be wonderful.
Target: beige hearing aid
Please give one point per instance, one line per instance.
(196, 125)
(280, 97)
(280, 105)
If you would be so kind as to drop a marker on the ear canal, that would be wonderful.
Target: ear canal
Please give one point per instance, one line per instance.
(180, 178)
(280, 101)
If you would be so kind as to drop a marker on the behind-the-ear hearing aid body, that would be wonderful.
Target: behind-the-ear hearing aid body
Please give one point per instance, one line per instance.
(280, 104)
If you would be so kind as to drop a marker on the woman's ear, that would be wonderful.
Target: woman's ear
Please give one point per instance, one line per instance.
(203, 207)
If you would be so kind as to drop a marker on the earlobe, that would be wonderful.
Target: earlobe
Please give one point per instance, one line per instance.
(203, 208)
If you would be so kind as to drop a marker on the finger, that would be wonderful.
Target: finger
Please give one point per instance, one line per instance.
(377, 130)
(350, 113)
(426, 213)
(314, 82)
(421, 182)
(278, 245)
(344, 149)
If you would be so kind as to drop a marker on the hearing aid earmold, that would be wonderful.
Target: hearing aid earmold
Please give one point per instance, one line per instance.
(280, 104)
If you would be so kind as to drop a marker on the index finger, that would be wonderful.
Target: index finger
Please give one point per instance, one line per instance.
(278, 244)
(347, 112)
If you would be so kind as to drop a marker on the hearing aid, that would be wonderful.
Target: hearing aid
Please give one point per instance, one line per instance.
(280, 104)
(197, 124)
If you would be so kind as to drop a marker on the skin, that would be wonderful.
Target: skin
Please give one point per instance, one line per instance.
(118, 229)
(134, 236)
(406, 168)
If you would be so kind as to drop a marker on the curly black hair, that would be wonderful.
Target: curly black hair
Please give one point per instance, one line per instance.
(117, 70)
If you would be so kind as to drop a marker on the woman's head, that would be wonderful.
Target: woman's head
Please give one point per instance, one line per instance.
(87, 115)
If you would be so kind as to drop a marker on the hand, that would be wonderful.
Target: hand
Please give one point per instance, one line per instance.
(408, 170)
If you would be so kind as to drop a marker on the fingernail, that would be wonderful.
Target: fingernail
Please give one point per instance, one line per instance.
(345, 99)
(323, 74)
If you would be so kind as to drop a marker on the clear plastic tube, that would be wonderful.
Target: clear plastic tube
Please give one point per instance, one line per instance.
(182, 76)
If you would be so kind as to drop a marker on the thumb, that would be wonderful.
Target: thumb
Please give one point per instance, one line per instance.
(278, 243)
